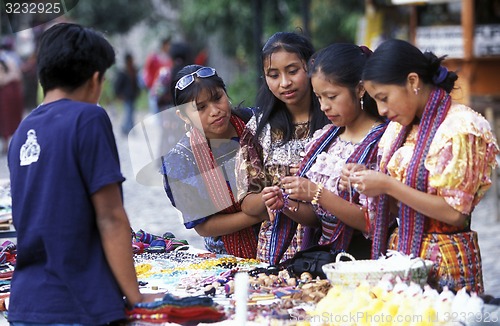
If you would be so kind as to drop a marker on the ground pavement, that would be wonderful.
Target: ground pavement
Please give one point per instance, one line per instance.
(149, 209)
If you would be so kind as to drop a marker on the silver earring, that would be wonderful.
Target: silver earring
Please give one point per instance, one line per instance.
(362, 103)
(415, 90)
(187, 127)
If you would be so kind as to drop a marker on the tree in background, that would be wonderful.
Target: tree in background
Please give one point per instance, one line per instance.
(234, 20)
(112, 16)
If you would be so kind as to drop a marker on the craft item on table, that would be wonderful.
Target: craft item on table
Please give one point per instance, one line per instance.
(285, 292)
(143, 241)
(143, 236)
(168, 235)
(5, 288)
(8, 252)
(229, 287)
(4, 302)
(241, 298)
(5, 218)
(6, 271)
(189, 271)
(157, 246)
(352, 273)
(173, 309)
(424, 305)
(138, 247)
(5, 200)
(174, 244)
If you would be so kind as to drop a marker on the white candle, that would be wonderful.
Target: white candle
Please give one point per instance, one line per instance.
(241, 297)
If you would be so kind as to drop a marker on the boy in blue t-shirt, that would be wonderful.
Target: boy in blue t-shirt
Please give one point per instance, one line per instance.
(74, 254)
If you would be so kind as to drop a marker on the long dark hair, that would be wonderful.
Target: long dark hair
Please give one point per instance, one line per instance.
(394, 59)
(273, 110)
(343, 63)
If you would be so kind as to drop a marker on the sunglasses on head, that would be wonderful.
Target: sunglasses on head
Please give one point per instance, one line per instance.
(187, 80)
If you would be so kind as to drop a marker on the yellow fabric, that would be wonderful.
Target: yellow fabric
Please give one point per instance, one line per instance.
(456, 257)
(461, 159)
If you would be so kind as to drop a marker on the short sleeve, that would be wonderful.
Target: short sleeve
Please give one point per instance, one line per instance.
(316, 135)
(99, 162)
(185, 188)
(462, 158)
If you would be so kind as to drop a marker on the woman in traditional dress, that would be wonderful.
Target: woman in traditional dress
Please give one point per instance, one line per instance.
(199, 172)
(312, 197)
(437, 158)
(288, 114)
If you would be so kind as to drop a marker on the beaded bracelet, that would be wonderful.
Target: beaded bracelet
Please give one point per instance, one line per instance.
(317, 195)
(285, 203)
(294, 209)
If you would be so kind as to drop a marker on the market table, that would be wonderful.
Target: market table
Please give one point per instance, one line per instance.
(287, 300)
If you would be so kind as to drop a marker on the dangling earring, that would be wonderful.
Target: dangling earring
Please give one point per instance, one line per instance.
(187, 127)
(362, 103)
(415, 90)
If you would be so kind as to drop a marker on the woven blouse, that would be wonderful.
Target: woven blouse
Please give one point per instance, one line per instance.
(327, 169)
(276, 158)
(455, 172)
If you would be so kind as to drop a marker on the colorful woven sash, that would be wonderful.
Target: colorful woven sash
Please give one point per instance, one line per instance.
(412, 223)
(284, 227)
(242, 243)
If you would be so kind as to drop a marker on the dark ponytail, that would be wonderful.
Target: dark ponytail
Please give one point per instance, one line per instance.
(394, 59)
(441, 77)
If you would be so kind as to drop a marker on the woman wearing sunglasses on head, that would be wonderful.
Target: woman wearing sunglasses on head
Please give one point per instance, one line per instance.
(199, 171)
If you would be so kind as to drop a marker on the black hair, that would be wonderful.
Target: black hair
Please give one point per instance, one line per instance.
(128, 56)
(273, 110)
(69, 54)
(394, 59)
(166, 40)
(342, 64)
(212, 84)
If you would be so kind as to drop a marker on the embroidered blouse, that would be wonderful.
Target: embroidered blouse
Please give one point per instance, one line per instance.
(327, 169)
(186, 189)
(276, 159)
(461, 160)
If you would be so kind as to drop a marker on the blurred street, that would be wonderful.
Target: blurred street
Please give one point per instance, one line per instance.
(149, 209)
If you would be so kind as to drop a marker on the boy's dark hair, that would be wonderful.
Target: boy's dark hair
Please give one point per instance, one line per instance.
(69, 54)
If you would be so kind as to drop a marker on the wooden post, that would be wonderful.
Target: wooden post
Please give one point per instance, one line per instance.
(489, 114)
(467, 70)
(468, 28)
(412, 33)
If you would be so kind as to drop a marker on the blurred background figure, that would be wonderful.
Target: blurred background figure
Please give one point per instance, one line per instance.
(155, 62)
(11, 93)
(180, 52)
(127, 89)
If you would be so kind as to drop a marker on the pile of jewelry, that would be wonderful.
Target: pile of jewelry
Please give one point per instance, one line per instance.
(186, 271)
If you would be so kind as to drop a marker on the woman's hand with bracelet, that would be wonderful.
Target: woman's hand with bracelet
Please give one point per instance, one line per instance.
(347, 172)
(299, 188)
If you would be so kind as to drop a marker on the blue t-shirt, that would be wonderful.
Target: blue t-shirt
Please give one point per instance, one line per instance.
(61, 154)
